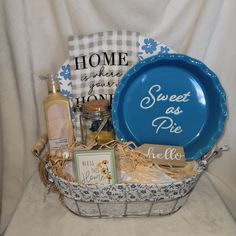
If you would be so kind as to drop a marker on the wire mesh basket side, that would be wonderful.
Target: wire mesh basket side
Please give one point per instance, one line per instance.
(125, 209)
(126, 200)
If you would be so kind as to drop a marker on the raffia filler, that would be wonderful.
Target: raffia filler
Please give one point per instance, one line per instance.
(129, 160)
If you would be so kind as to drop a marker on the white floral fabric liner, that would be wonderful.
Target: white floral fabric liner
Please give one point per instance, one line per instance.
(134, 192)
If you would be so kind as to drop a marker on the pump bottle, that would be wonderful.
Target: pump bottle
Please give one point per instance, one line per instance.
(57, 117)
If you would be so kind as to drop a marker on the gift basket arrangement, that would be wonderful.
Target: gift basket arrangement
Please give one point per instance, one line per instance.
(131, 126)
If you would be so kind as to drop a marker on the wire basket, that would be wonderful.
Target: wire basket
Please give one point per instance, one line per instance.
(128, 200)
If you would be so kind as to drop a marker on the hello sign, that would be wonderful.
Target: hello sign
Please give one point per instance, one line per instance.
(164, 154)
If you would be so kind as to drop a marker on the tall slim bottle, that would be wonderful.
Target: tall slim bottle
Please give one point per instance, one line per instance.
(57, 117)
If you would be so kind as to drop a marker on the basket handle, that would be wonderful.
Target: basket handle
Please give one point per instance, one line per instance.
(40, 146)
(215, 153)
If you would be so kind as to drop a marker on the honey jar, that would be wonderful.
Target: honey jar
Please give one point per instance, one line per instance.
(96, 123)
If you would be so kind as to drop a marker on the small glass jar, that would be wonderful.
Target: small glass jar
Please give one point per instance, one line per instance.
(95, 122)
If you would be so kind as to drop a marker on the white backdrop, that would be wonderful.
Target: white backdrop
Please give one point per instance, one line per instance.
(33, 41)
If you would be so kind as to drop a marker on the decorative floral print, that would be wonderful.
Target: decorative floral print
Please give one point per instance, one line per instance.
(164, 50)
(125, 192)
(149, 45)
(66, 93)
(66, 72)
(105, 170)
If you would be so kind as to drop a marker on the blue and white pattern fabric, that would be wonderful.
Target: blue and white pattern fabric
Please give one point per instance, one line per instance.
(146, 47)
(64, 76)
(149, 47)
(78, 90)
(126, 192)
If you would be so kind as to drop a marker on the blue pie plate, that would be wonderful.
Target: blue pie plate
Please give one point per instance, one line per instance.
(170, 99)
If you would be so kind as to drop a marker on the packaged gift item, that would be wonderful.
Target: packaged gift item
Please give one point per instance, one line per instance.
(57, 117)
(96, 124)
(95, 166)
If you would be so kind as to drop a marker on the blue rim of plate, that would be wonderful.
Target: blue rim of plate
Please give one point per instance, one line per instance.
(186, 59)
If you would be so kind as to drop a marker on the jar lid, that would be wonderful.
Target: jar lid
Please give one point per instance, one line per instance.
(96, 106)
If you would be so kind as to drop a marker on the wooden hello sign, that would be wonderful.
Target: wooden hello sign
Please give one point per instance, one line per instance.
(164, 154)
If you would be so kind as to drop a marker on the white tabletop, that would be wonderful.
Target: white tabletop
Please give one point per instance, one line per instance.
(203, 214)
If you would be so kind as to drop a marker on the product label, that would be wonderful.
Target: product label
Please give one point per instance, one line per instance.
(58, 126)
(60, 143)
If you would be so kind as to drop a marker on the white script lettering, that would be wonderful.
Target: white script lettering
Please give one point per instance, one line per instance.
(165, 122)
(169, 154)
(149, 101)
